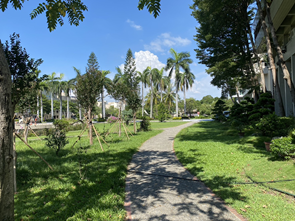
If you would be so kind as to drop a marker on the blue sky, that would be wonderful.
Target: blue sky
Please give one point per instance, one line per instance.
(110, 28)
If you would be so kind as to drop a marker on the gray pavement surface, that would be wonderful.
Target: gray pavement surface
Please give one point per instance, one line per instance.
(162, 197)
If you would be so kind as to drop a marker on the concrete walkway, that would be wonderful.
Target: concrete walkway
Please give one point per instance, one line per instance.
(161, 197)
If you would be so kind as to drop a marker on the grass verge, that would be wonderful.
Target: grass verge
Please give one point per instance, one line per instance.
(214, 154)
(86, 184)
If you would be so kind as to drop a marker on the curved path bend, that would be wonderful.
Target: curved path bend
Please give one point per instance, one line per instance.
(153, 192)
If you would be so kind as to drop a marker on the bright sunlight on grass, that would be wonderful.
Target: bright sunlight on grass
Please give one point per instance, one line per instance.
(218, 157)
(86, 184)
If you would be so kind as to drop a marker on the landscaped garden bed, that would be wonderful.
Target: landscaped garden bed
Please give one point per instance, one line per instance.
(223, 160)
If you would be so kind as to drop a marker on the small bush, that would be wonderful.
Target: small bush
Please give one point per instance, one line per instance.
(176, 118)
(112, 119)
(145, 125)
(268, 125)
(283, 148)
(56, 138)
(161, 112)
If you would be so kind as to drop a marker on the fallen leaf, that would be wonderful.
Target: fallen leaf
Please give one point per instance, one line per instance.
(73, 187)
(247, 206)
(243, 210)
(264, 206)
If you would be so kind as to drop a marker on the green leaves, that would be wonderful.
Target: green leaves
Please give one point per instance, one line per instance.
(153, 6)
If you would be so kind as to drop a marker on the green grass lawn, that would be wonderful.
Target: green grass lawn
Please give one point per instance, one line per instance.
(86, 184)
(218, 156)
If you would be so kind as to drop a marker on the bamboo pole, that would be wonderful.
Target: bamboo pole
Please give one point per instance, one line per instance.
(79, 137)
(99, 135)
(34, 151)
(35, 133)
(111, 128)
(129, 131)
(98, 138)
(125, 131)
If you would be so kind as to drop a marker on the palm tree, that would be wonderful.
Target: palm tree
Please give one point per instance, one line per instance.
(187, 80)
(52, 83)
(153, 96)
(106, 83)
(80, 109)
(162, 82)
(59, 89)
(169, 96)
(144, 80)
(177, 61)
(68, 86)
(42, 87)
(119, 76)
(152, 76)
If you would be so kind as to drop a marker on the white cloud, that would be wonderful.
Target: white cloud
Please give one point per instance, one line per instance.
(166, 40)
(202, 87)
(143, 59)
(133, 25)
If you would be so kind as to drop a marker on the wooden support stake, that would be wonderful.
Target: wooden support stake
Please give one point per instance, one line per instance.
(111, 128)
(129, 131)
(125, 131)
(14, 162)
(33, 151)
(79, 137)
(99, 135)
(35, 133)
(98, 138)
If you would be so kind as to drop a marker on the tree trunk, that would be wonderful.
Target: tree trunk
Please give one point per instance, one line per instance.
(68, 108)
(151, 111)
(80, 112)
(257, 58)
(102, 105)
(134, 122)
(161, 96)
(184, 101)
(60, 106)
(120, 121)
(176, 103)
(142, 101)
(6, 142)
(277, 91)
(286, 72)
(38, 110)
(41, 103)
(52, 114)
(90, 127)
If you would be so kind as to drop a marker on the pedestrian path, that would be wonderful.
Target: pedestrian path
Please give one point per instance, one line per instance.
(153, 192)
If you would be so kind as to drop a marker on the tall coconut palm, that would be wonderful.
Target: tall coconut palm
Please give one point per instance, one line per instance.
(144, 80)
(153, 76)
(187, 80)
(119, 76)
(169, 96)
(177, 61)
(42, 87)
(162, 82)
(106, 83)
(78, 72)
(68, 86)
(153, 96)
(52, 84)
(59, 89)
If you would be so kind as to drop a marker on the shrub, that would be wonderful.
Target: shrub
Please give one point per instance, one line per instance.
(112, 119)
(283, 148)
(268, 125)
(176, 118)
(127, 116)
(161, 112)
(145, 124)
(57, 137)
(218, 110)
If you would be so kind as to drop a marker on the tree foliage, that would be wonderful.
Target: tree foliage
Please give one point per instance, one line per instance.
(23, 69)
